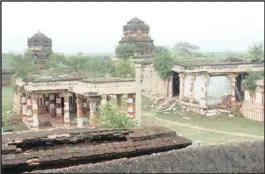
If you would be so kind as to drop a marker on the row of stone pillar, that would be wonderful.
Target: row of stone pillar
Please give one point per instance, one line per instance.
(30, 108)
(205, 78)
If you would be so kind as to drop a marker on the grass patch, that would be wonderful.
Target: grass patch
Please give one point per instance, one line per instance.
(221, 122)
(7, 104)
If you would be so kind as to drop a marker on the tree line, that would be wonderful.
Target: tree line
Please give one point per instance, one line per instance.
(91, 66)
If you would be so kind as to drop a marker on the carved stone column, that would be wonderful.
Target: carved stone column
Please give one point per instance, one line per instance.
(52, 106)
(35, 124)
(80, 113)
(93, 108)
(29, 111)
(203, 99)
(24, 108)
(66, 109)
(233, 83)
(59, 114)
(85, 107)
(138, 96)
(192, 79)
(130, 103)
(104, 99)
(181, 85)
(119, 100)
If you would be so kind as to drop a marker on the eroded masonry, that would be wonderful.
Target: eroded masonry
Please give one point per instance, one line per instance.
(30, 151)
(68, 100)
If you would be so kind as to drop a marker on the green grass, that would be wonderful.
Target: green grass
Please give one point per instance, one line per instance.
(221, 122)
(7, 104)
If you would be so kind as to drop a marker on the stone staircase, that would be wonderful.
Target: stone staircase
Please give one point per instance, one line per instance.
(164, 104)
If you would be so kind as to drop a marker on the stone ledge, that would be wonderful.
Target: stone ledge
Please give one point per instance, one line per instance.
(25, 152)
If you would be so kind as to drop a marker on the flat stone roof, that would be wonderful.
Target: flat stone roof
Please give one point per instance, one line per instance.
(108, 80)
(196, 62)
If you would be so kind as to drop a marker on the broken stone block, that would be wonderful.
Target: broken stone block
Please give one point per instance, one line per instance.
(231, 115)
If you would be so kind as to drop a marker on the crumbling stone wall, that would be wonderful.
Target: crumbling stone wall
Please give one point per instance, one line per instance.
(17, 97)
(244, 157)
(253, 105)
(68, 147)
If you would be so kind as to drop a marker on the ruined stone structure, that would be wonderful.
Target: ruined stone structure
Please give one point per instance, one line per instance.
(137, 32)
(201, 85)
(6, 76)
(253, 105)
(41, 47)
(54, 98)
(29, 151)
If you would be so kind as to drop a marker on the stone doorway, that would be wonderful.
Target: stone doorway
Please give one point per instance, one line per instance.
(175, 84)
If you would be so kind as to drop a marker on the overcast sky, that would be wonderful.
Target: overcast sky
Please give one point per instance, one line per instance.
(96, 27)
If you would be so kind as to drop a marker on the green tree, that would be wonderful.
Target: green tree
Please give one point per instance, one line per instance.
(256, 52)
(125, 50)
(111, 117)
(185, 48)
(163, 63)
(55, 60)
(23, 64)
(124, 68)
(251, 79)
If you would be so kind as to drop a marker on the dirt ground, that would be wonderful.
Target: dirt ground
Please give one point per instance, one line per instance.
(203, 130)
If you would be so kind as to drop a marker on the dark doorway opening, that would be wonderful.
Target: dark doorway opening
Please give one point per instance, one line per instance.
(239, 87)
(175, 83)
(62, 101)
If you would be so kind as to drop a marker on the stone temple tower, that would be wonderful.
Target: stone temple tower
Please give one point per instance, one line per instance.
(137, 33)
(41, 47)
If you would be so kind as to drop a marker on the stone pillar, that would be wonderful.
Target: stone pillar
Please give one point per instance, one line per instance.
(66, 109)
(46, 101)
(233, 83)
(20, 110)
(181, 86)
(130, 103)
(192, 79)
(104, 99)
(52, 106)
(108, 98)
(85, 107)
(138, 96)
(35, 123)
(80, 114)
(29, 111)
(203, 99)
(59, 113)
(119, 100)
(24, 108)
(93, 108)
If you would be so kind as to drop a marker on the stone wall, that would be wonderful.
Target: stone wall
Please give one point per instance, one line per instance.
(253, 106)
(153, 83)
(17, 102)
(218, 87)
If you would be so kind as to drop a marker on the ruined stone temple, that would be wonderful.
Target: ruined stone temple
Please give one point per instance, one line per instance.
(41, 47)
(71, 99)
(137, 32)
(206, 87)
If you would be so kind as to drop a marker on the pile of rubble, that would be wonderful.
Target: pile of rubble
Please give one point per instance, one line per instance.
(29, 151)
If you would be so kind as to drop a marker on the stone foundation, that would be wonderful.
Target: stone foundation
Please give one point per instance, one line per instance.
(29, 151)
(253, 111)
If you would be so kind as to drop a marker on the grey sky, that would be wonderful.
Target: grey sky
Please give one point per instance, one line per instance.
(96, 27)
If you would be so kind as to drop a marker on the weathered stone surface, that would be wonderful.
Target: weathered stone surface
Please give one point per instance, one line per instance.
(89, 146)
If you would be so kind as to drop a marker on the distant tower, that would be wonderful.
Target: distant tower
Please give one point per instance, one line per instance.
(137, 33)
(41, 47)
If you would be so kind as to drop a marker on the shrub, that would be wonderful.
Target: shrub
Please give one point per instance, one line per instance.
(111, 117)
(251, 79)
